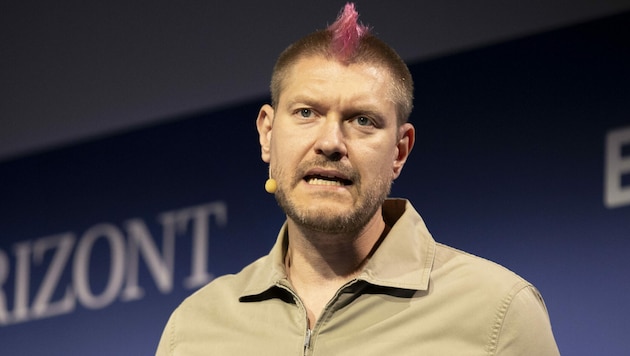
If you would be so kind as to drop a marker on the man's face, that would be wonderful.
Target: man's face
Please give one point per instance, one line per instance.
(333, 143)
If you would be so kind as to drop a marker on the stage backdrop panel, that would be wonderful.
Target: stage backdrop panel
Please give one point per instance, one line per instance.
(522, 157)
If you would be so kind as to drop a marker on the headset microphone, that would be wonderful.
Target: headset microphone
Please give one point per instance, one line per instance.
(271, 185)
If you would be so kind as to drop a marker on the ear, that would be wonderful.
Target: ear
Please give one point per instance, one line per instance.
(406, 139)
(264, 123)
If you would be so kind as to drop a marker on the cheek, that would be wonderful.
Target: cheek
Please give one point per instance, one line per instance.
(378, 163)
(287, 149)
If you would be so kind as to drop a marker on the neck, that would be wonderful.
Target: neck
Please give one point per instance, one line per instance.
(317, 257)
(319, 264)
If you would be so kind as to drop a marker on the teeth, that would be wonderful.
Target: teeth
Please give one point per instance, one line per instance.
(318, 181)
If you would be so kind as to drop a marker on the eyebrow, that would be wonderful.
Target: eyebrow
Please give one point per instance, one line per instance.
(302, 99)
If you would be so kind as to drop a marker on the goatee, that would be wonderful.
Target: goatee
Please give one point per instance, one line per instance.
(351, 220)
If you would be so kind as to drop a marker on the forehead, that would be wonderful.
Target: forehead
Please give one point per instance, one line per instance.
(331, 79)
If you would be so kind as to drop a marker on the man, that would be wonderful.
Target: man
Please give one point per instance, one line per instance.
(352, 272)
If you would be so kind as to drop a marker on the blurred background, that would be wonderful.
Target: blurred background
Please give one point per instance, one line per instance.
(130, 171)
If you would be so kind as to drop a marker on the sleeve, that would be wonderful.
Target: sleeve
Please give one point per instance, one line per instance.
(526, 328)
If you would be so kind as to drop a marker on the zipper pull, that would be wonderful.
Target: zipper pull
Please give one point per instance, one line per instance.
(307, 340)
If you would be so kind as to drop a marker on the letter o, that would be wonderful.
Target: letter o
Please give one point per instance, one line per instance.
(81, 265)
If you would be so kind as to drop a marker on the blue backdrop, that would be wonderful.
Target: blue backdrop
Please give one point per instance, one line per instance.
(517, 145)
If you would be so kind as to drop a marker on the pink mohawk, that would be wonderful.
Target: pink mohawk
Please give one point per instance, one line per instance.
(347, 33)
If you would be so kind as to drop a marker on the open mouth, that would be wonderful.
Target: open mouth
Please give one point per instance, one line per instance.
(327, 180)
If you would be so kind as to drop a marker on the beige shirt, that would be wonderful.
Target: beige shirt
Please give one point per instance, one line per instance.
(414, 297)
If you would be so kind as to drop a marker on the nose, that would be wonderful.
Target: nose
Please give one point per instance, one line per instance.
(331, 140)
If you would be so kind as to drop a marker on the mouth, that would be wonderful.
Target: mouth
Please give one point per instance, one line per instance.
(327, 178)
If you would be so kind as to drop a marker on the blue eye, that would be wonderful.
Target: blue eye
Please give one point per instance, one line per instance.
(363, 121)
(306, 112)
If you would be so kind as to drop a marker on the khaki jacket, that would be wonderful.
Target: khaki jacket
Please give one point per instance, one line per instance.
(414, 297)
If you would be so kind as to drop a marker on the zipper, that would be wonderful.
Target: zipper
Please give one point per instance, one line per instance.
(307, 340)
(309, 332)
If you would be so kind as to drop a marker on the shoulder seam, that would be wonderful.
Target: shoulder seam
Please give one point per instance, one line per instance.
(501, 312)
(172, 332)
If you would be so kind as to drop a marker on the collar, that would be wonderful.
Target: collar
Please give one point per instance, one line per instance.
(403, 260)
